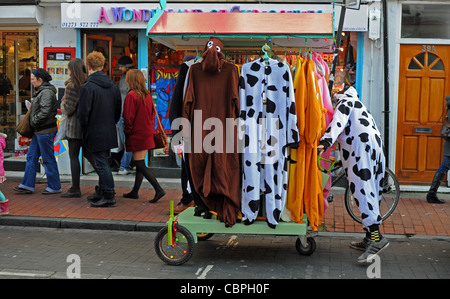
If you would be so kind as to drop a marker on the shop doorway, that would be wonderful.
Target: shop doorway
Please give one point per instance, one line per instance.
(19, 56)
(424, 82)
(113, 44)
(101, 44)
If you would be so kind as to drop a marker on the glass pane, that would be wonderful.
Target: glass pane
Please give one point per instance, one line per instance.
(413, 65)
(435, 62)
(425, 21)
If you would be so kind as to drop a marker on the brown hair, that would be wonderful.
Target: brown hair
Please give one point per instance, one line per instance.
(95, 60)
(78, 72)
(136, 82)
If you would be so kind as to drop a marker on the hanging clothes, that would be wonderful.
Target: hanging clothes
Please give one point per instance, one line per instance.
(296, 185)
(323, 71)
(269, 126)
(314, 128)
(305, 179)
(212, 93)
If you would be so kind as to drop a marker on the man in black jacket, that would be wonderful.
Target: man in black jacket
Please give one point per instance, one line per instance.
(99, 110)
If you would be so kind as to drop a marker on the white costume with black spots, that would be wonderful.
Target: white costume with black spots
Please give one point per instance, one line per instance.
(266, 99)
(361, 150)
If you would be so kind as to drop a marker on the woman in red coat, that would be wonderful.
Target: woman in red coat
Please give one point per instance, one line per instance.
(139, 115)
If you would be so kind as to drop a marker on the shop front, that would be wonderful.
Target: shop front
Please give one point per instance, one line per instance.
(19, 55)
(121, 28)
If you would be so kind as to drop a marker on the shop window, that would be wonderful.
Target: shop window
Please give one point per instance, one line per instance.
(425, 21)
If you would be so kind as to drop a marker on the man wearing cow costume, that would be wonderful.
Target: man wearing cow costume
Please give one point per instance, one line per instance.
(361, 150)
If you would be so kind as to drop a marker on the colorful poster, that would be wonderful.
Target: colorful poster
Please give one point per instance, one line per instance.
(162, 89)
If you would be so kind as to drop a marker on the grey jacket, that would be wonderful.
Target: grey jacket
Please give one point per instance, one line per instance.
(43, 109)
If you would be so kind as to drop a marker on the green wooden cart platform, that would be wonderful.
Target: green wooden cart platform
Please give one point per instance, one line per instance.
(174, 243)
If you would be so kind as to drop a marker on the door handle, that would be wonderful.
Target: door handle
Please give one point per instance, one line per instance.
(423, 130)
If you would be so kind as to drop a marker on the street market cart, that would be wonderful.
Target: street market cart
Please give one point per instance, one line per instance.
(250, 31)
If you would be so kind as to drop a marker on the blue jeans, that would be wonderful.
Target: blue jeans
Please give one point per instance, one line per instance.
(445, 166)
(41, 145)
(127, 156)
(105, 177)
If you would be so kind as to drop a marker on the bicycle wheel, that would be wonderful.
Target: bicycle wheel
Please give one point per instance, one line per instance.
(180, 251)
(388, 202)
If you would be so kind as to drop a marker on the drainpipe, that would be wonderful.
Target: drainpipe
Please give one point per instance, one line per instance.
(386, 83)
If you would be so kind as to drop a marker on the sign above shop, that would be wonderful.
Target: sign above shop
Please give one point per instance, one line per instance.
(116, 16)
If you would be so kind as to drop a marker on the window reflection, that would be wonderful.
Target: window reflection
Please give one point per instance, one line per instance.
(425, 21)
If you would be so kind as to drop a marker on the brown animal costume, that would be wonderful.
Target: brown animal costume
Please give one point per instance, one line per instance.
(212, 90)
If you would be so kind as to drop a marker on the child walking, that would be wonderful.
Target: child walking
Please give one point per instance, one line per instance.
(4, 204)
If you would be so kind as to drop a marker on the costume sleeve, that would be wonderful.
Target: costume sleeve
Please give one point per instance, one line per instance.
(292, 133)
(129, 114)
(176, 103)
(337, 124)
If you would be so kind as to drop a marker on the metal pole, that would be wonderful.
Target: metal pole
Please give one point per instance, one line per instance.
(336, 49)
(386, 83)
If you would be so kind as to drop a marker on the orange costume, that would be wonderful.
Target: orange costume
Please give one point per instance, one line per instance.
(305, 190)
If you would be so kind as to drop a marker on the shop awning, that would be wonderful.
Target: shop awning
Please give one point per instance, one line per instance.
(21, 15)
(190, 29)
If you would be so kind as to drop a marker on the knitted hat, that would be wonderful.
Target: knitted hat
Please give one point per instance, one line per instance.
(125, 61)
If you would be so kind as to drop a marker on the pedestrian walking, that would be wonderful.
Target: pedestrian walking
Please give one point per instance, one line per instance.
(125, 64)
(99, 109)
(69, 106)
(139, 115)
(443, 169)
(44, 108)
(4, 204)
(361, 149)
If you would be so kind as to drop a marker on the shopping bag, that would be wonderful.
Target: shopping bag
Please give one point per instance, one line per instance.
(159, 135)
(62, 127)
(24, 128)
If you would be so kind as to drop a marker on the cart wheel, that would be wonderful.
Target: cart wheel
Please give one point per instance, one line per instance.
(204, 236)
(308, 249)
(180, 251)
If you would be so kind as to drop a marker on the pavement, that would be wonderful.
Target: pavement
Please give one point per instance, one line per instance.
(413, 216)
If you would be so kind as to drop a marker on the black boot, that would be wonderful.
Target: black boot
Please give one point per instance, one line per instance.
(96, 196)
(108, 200)
(140, 167)
(431, 195)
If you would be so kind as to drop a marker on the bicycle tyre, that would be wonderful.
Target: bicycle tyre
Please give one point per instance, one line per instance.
(182, 249)
(389, 198)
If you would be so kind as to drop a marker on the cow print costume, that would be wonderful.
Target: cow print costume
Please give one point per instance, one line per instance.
(268, 112)
(361, 150)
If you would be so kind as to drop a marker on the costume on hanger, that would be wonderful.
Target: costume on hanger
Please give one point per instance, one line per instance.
(323, 72)
(212, 94)
(361, 150)
(305, 182)
(297, 170)
(267, 105)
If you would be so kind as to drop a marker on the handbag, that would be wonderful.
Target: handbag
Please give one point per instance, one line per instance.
(445, 129)
(24, 128)
(62, 127)
(159, 135)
